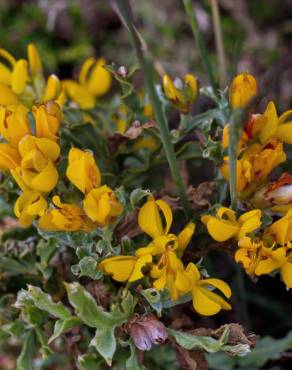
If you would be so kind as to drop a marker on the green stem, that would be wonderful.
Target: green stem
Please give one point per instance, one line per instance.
(200, 42)
(147, 69)
(219, 43)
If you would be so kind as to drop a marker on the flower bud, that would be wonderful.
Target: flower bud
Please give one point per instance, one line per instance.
(145, 331)
(276, 195)
(34, 60)
(181, 93)
(243, 87)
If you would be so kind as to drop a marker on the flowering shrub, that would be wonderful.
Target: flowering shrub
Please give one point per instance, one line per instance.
(104, 257)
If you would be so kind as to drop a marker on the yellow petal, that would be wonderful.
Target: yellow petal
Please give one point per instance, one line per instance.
(46, 180)
(207, 303)
(221, 230)
(242, 256)
(243, 87)
(100, 79)
(284, 133)
(219, 284)
(167, 213)
(226, 213)
(119, 267)
(184, 237)
(84, 71)
(149, 219)
(7, 96)
(34, 60)
(9, 157)
(19, 76)
(270, 127)
(80, 94)
(5, 75)
(286, 274)
(192, 272)
(6, 55)
(137, 271)
(182, 283)
(53, 88)
(97, 205)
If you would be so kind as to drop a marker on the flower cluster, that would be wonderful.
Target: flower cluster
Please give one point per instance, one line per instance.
(260, 148)
(258, 252)
(161, 258)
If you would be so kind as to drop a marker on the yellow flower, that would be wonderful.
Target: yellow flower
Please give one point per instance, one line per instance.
(28, 206)
(255, 164)
(9, 157)
(14, 123)
(224, 225)
(181, 94)
(82, 170)
(243, 87)
(205, 301)
(281, 230)
(65, 217)
(275, 126)
(151, 223)
(47, 120)
(102, 206)
(165, 271)
(94, 81)
(37, 170)
(125, 268)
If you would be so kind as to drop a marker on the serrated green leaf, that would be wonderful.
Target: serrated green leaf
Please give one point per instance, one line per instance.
(90, 313)
(25, 359)
(105, 342)
(44, 302)
(88, 267)
(61, 326)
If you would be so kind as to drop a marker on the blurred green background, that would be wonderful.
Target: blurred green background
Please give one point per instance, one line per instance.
(257, 34)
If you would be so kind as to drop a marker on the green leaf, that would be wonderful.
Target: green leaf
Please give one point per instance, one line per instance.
(189, 341)
(44, 302)
(137, 195)
(90, 361)
(190, 150)
(132, 361)
(105, 342)
(15, 267)
(61, 326)
(45, 250)
(90, 313)
(266, 349)
(88, 267)
(25, 359)
(16, 328)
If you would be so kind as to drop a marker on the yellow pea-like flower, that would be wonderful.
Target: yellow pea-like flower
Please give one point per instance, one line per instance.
(242, 89)
(125, 268)
(28, 206)
(47, 120)
(281, 230)
(101, 205)
(225, 225)
(65, 217)
(37, 170)
(205, 301)
(82, 170)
